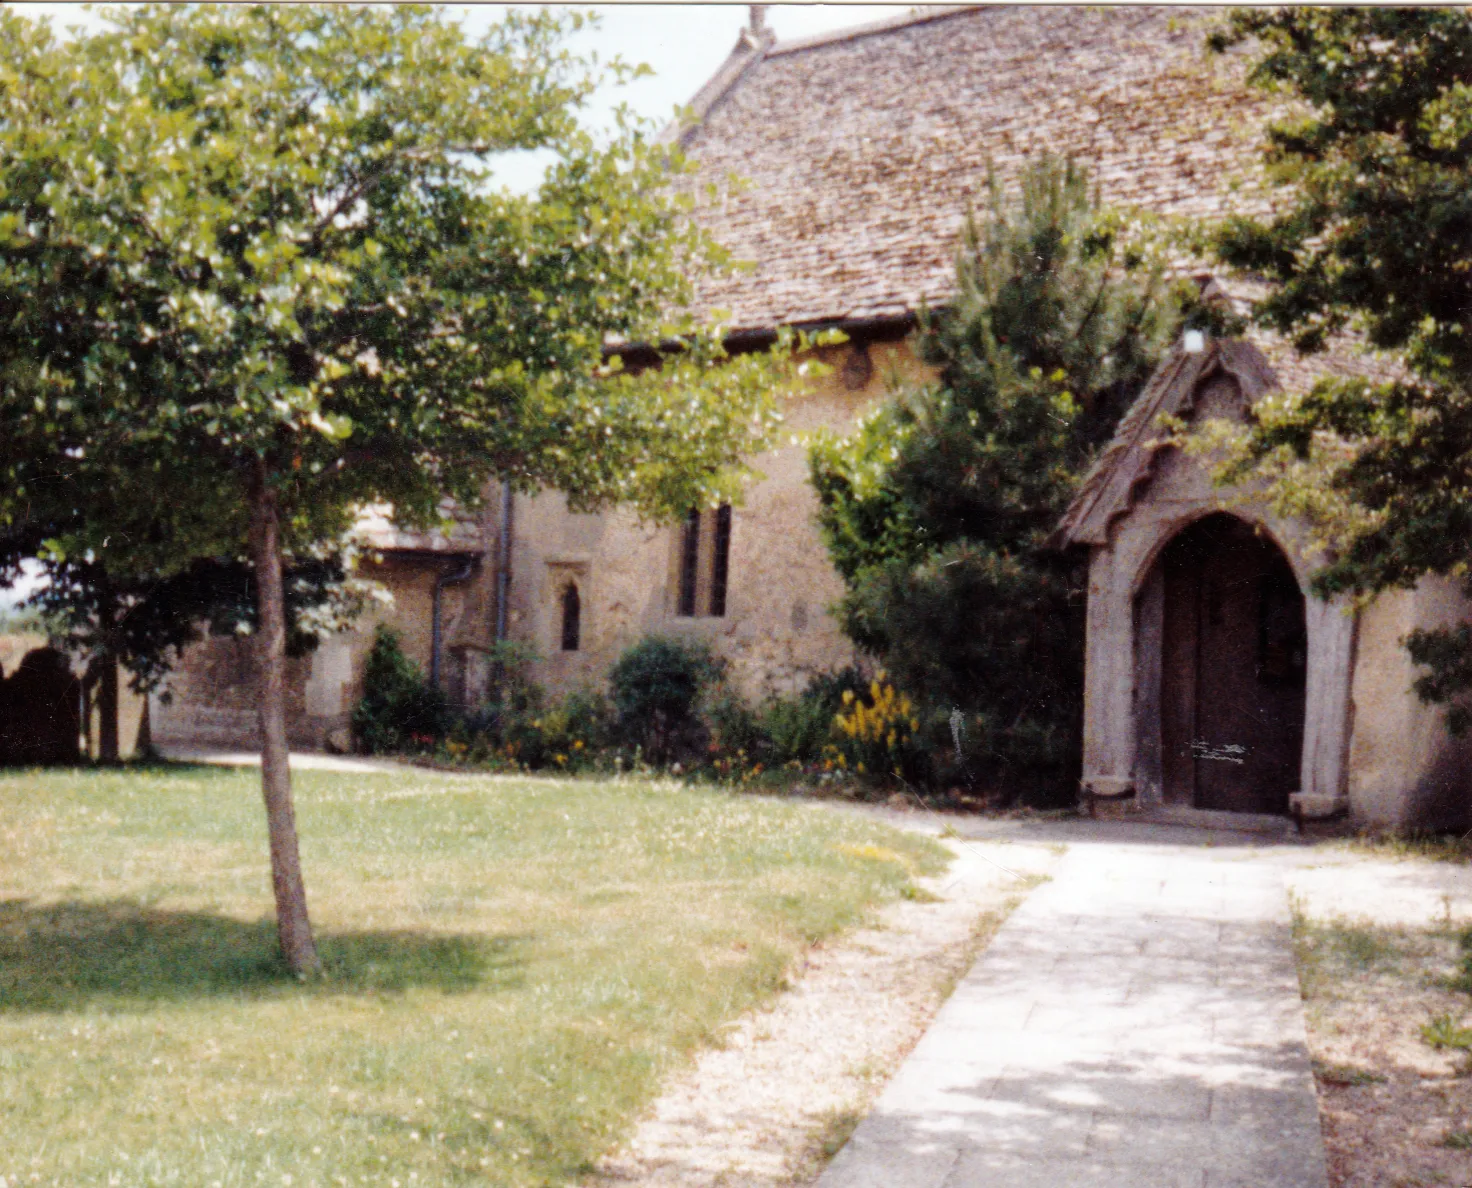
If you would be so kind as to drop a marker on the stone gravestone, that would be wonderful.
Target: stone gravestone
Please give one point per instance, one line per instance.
(40, 711)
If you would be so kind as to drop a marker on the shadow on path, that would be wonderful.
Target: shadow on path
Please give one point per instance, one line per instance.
(60, 957)
(1110, 1121)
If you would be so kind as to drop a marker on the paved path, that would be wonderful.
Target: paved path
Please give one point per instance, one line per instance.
(300, 760)
(1135, 1024)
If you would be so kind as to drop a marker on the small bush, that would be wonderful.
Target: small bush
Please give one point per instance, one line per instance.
(1444, 1031)
(566, 735)
(399, 710)
(798, 728)
(735, 726)
(875, 731)
(658, 685)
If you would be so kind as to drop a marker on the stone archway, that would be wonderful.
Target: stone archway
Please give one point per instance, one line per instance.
(1140, 496)
(1232, 662)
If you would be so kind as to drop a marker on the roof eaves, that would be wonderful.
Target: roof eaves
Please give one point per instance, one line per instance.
(750, 49)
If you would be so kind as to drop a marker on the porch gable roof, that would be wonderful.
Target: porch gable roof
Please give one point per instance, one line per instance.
(1124, 468)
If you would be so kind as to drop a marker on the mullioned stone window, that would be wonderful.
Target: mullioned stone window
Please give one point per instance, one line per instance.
(703, 558)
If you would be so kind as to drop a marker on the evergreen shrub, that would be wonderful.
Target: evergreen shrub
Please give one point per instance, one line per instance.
(399, 710)
(658, 687)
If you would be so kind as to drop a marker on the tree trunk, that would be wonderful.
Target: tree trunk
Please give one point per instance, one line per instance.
(143, 748)
(107, 686)
(292, 925)
(107, 711)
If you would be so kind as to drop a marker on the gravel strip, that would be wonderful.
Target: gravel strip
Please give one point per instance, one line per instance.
(770, 1108)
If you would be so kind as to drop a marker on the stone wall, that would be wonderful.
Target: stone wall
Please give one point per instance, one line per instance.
(1405, 769)
(777, 631)
(210, 699)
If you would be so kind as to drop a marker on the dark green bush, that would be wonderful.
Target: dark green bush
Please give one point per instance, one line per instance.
(735, 727)
(798, 728)
(399, 711)
(658, 686)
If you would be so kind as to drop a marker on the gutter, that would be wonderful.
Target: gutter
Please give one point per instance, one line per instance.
(759, 338)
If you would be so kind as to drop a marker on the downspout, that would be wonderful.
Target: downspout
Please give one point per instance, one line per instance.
(503, 564)
(449, 578)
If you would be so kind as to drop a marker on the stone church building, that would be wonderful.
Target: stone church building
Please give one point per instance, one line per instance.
(1214, 681)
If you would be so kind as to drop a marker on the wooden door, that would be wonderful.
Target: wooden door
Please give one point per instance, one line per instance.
(1233, 655)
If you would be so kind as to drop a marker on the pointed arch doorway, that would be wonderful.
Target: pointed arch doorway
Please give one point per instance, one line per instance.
(1233, 661)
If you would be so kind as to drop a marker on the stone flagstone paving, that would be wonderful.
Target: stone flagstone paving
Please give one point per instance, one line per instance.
(1136, 1023)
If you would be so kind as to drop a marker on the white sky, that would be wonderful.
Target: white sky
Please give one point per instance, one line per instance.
(683, 43)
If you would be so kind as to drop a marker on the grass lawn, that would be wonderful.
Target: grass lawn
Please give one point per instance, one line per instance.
(513, 964)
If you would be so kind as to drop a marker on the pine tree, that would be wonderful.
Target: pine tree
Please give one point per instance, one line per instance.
(937, 509)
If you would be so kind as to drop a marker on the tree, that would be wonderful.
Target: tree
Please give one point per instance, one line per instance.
(936, 511)
(256, 271)
(1370, 234)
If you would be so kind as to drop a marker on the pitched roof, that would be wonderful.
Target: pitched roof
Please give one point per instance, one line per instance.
(863, 149)
(1121, 473)
(1108, 491)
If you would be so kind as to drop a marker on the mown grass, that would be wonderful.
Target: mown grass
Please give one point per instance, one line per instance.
(513, 963)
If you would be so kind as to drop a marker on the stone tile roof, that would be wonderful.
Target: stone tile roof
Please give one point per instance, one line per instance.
(863, 149)
(1108, 491)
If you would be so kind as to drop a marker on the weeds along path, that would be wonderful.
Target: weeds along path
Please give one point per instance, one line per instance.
(1387, 985)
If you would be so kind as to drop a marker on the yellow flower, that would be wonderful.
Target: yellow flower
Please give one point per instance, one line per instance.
(577, 744)
(848, 697)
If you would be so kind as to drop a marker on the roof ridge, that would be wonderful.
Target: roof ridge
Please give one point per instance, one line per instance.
(917, 16)
(750, 48)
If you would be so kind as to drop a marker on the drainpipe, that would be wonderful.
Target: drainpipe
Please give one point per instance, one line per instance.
(503, 564)
(449, 578)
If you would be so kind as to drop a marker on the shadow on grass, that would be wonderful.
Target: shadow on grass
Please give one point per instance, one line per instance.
(59, 957)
